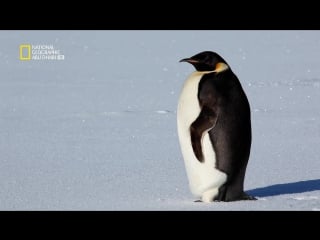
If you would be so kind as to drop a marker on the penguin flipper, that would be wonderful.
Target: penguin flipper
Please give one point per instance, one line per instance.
(205, 122)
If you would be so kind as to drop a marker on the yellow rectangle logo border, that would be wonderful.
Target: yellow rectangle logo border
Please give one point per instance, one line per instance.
(27, 46)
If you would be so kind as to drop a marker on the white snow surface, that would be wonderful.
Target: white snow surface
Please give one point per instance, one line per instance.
(98, 131)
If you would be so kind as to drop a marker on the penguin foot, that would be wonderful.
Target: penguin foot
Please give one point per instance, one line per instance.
(197, 200)
(248, 197)
(238, 197)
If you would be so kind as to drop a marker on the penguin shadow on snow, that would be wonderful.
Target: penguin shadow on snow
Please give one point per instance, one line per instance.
(286, 188)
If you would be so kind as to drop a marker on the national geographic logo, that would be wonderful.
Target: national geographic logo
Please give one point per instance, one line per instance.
(43, 52)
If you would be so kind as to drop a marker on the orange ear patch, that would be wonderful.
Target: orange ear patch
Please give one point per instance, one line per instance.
(220, 67)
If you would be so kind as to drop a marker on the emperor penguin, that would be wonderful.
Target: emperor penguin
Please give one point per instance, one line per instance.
(214, 129)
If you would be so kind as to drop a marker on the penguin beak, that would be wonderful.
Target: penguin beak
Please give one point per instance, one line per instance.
(189, 60)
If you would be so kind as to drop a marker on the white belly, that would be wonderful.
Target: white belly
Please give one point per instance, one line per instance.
(204, 178)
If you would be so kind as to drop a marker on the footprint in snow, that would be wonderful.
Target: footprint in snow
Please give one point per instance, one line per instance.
(305, 198)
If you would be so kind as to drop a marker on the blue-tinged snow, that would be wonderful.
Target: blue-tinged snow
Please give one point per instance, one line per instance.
(97, 131)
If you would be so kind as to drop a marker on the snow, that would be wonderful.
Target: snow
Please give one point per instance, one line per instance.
(97, 131)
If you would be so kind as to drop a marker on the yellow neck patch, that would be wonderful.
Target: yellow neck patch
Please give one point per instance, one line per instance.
(220, 67)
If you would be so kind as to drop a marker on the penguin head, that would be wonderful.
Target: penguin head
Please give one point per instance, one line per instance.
(207, 61)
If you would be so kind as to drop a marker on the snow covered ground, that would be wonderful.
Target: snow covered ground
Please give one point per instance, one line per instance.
(97, 131)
